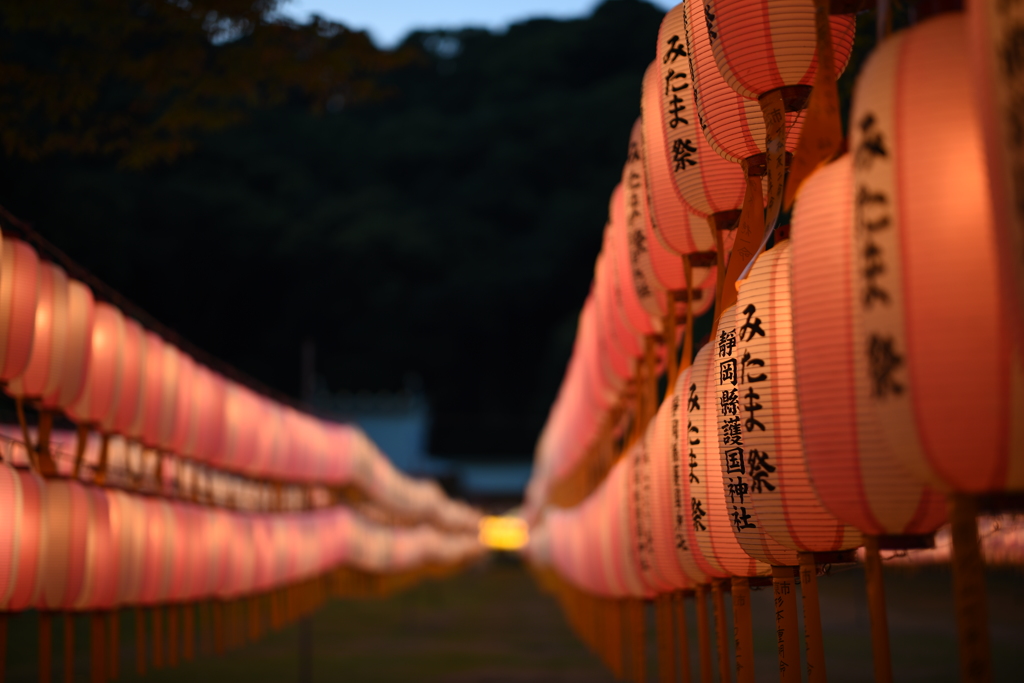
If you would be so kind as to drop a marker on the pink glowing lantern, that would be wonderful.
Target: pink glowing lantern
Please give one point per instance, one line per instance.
(761, 46)
(11, 509)
(19, 294)
(77, 347)
(153, 393)
(993, 31)
(208, 396)
(66, 514)
(99, 587)
(857, 478)
(185, 432)
(710, 519)
(922, 211)
(27, 579)
(764, 376)
(45, 368)
(156, 572)
(97, 402)
(126, 419)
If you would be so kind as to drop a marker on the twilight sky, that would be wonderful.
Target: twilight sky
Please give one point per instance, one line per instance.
(388, 21)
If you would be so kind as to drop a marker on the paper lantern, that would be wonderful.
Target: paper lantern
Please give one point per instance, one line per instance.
(767, 468)
(179, 561)
(47, 359)
(99, 586)
(27, 577)
(670, 510)
(128, 527)
(640, 520)
(857, 478)
(77, 347)
(19, 294)
(98, 400)
(11, 509)
(628, 215)
(761, 46)
(711, 519)
(921, 212)
(993, 30)
(127, 418)
(185, 432)
(66, 516)
(704, 181)
(208, 395)
(156, 572)
(732, 124)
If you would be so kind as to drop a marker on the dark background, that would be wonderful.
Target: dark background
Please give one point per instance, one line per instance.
(428, 217)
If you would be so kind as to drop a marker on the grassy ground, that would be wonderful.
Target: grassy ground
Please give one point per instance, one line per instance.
(491, 625)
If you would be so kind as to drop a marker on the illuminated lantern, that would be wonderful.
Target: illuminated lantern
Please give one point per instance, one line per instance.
(97, 402)
(710, 527)
(66, 515)
(77, 346)
(646, 299)
(857, 478)
(185, 433)
(156, 567)
(99, 588)
(922, 211)
(761, 381)
(12, 508)
(993, 33)
(19, 294)
(670, 500)
(128, 527)
(46, 361)
(239, 427)
(208, 395)
(761, 46)
(181, 550)
(153, 394)
(170, 372)
(732, 124)
(27, 575)
(127, 418)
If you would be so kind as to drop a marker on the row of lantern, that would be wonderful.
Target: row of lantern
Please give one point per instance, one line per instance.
(69, 546)
(65, 352)
(866, 356)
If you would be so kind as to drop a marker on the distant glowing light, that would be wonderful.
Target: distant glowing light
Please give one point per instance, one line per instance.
(504, 533)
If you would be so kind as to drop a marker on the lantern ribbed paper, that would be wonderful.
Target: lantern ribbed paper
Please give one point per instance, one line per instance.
(11, 508)
(649, 290)
(126, 419)
(97, 403)
(640, 319)
(762, 45)
(46, 362)
(709, 516)
(99, 587)
(670, 500)
(733, 124)
(19, 294)
(706, 182)
(77, 346)
(27, 577)
(780, 487)
(641, 507)
(66, 513)
(994, 29)
(935, 349)
(856, 476)
(744, 471)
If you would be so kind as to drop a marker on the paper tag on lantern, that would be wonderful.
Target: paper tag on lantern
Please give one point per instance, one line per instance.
(822, 134)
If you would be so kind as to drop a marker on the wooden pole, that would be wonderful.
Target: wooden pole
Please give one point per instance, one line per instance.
(813, 639)
(158, 637)
(172, 636)
(679, 599)
(665, 637)
(3, 646)
(45, 647)
(743, 630)
(876, 610)
(69, 647)
(786, 624)
(140, 641)
(188, 650)
(98, 652)
(703, 634)
(721, 629)
(114, 644)
(969, 591)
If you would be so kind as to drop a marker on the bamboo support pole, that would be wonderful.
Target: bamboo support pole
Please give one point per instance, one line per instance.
(98, 651)
(140, 641)
(786, 624)
(813, 639)
(682, 628)
(156, 614)
(703, 634)
(69, 647)
(743, 630)
(876, 610)
(665, 638)
(114, 645)
(969, 591)
(45, 647)
(721, 629)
